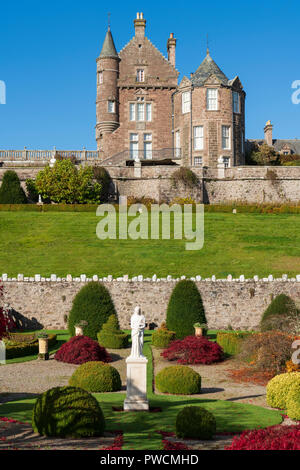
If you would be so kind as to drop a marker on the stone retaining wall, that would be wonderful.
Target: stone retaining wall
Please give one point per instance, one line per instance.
(46, 302)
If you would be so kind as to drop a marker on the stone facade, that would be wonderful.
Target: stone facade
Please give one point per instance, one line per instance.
(140, 107)
(237, 302)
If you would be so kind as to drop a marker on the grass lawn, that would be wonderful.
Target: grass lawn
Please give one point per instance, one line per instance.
(65, 243)
(140, 427)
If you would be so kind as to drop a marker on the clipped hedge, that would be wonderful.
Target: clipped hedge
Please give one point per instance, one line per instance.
(195, 422)
(16, 349)
(11, 191)
(162, 337)
(111, 336)
(293, 401)
(178, 380)
(281, 306)
(94, 305)
(231, 342)
(96, 377)
(279, 387)
(67, 412)
(185, 308)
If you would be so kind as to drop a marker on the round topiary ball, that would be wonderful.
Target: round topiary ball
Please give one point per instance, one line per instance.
(185, 308)
(67, 412)
(81, 349)
(96, 377)
(178, 380)
(94, 305)
(195, 422)
(293, 402)
(278, 389)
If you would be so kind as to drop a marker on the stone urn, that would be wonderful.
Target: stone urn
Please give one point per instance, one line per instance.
(43, 347)
(200, 329)
(79, 328)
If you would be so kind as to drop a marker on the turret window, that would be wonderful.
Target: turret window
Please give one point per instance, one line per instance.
(226, 137)
(111, 106)
(140, 75)
(236, 102)
(100, 78)
(212, 99)
(186, 102)
(198, 138)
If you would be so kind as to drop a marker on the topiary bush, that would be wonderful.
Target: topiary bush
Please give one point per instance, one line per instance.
(185, 308)
(279, 387)
(67, 412)
(231, 343)
(93, 304)
(195, 422)
(96, 377)
(111, 336)
(194, 350)
(11, 191)
(162, 337)
(293, 401)
(81, 349)
(178, 380)
(278, 313)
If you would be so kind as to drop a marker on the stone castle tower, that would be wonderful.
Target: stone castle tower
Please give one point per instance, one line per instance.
(143, 113)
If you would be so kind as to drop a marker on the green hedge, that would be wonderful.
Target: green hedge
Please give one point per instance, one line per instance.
(231, 342)
(281, 306)
(162, 337)
(178, 380)
(111, 336)
(96, 377)
(20, 349)
(195, 422)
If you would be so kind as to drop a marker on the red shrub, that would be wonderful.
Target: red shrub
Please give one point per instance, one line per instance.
(81, 349)
(272, 438)
(194, 350)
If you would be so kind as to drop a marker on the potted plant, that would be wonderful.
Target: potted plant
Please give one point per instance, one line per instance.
(79, 327)
(200, 329)
(43, 345)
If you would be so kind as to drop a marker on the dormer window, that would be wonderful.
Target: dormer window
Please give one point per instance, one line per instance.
(212, 99)
(140, 75)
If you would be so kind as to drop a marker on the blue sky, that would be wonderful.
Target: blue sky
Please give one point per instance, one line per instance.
(48, 52)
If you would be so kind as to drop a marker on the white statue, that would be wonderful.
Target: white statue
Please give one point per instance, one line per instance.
(137, 324)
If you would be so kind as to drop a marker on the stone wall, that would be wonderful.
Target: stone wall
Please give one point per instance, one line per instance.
(40, 302)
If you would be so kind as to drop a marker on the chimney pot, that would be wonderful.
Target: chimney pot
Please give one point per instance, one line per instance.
(268, 130)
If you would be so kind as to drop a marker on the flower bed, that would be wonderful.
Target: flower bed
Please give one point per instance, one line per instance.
(194, 350)
(273, 438)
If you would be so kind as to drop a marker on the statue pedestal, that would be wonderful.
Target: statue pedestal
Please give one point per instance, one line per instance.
(136, 398)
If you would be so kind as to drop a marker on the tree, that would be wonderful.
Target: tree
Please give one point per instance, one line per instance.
(93, 304)
(102, 177)
(65, 184)
(264, 155)
(185, 308)
(11, 191)
(280, 314)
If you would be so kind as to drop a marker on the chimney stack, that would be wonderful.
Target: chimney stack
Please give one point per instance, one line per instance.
(268, 129)
(139, 26)
(171, 46)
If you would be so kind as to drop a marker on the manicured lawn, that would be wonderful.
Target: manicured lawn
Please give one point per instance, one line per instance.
(66, 242)
(140, 427)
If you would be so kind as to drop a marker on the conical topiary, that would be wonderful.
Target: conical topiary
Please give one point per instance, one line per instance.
(11, 191)
(281, 306)
(185, 309)
(111, 336)
(93, 304)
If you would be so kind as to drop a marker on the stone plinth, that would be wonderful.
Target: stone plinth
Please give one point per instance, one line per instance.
(136, 398)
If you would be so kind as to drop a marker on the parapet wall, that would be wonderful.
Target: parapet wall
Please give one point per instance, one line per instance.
(46, 302)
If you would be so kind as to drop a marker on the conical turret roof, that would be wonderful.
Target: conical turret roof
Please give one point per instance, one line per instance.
(205, 70)
(108, 48)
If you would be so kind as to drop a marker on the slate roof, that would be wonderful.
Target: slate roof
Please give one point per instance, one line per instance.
(205, 70)
(279, 144)
(108, 48)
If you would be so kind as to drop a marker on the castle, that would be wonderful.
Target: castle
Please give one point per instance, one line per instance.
(143, 113)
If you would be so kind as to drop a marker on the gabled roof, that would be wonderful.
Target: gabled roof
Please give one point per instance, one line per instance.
(205, 70)
(108, 48)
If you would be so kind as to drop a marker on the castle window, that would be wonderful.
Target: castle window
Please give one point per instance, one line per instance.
(148, 112)
(198, 138)
(226, 137)
(197, 161)
(236, 102)
(177, 144)
(111, 106)
(212, 99)
(140, 112)
(140, 75)
(134, 146)
(100, 78)
(148, 146)
(186, 102)
(132, 111)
